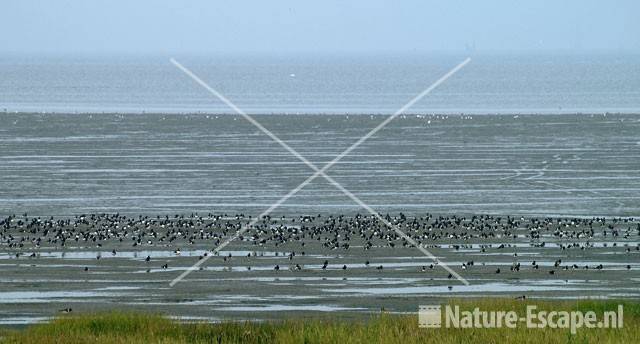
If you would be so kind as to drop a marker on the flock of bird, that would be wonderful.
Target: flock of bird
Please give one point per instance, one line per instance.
(24, 234)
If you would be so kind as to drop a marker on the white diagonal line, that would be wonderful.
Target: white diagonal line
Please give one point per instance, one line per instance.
(245, 228)
(319, 172)
(401, 110)
(396, 229)
(241, 113)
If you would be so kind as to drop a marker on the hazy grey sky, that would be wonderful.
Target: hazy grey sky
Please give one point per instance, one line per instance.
(151, 26)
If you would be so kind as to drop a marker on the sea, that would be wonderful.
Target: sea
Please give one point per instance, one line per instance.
(343, 84)
(514, 134)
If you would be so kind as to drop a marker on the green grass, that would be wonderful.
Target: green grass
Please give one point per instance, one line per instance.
(383, 328)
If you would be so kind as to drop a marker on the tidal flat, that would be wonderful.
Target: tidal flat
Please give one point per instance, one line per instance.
(351, 266)
(103, 211)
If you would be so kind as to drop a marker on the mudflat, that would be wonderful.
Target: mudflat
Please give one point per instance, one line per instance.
(349, 265)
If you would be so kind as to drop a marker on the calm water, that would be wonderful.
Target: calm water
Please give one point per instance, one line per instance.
(311, 84)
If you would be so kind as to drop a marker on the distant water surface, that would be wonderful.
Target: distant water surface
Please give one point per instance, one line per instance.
(493, 83)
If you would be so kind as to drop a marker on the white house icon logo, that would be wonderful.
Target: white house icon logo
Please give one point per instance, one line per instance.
(429, 317)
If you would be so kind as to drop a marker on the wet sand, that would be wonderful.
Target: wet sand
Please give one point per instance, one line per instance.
(42, 280)
(538, 165)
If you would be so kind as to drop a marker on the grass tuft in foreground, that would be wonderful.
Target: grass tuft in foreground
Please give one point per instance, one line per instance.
(119, 327)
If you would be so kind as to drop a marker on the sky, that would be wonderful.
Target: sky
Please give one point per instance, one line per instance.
(330, 26)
